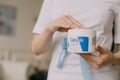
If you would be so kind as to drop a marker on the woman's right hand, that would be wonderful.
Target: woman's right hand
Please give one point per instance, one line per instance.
(41, 42)
(63, 24)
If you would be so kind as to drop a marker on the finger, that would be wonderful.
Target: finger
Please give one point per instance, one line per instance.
(75, 21)
(91, 63)
(63, 24)
(90, 57)
(72, 25)
(65, 19)
(100, 49)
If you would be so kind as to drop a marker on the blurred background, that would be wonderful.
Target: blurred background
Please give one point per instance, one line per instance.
(17, 62)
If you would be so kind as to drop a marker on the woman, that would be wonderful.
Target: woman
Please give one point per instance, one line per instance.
(58, 16)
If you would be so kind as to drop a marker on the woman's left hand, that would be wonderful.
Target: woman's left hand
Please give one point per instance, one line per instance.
(106, 57)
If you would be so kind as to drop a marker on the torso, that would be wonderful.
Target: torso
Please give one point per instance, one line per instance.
(93, 14)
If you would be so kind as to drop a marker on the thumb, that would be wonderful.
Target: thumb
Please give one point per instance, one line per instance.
(99, 48)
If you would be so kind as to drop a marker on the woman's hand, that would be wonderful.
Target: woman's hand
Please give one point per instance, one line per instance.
(106, 57)
(63, 24)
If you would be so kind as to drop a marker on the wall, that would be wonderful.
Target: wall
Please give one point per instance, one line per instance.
(27, 10)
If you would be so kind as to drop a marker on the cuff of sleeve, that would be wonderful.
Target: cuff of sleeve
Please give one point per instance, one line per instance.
(38, 30)
(117, 38)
